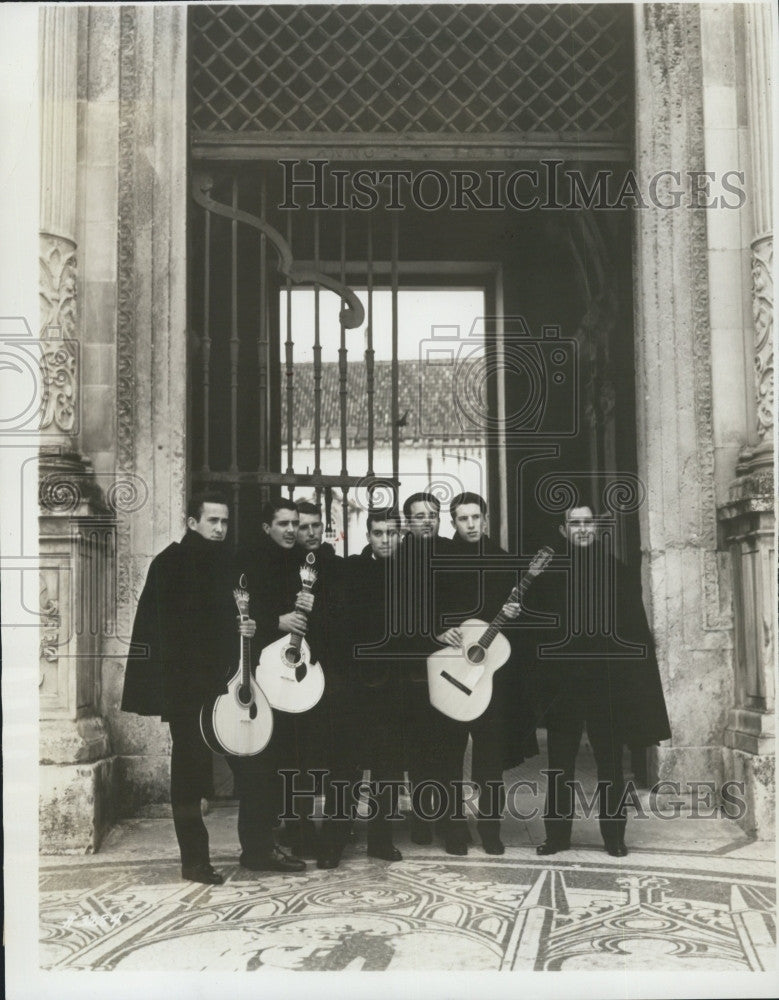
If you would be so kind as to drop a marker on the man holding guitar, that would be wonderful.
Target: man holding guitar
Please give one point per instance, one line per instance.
(504, 735)
(281, 606)
(184, 645)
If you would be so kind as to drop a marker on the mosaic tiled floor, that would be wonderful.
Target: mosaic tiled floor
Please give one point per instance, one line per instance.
(431, 913)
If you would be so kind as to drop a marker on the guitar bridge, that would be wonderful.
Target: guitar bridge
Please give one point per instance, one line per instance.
(458, 684)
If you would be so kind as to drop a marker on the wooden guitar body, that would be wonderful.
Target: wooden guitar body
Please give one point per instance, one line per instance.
(460, 680)
(239, 722)
(288, 678)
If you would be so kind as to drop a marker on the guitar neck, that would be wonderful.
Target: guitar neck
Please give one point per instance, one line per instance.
(246, 656)
(517, 594)
(296, 640)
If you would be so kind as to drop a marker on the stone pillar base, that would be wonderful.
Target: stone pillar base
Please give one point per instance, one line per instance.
(757, 772)
(144, 781)
(75, 806)
(685, 764)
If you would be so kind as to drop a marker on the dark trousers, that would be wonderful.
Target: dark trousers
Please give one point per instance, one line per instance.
(424, 757)
(190, 780)
(300, 745)
(259, 790)
(565, 723)
(257, 786)
(486, 772)
(369, 735)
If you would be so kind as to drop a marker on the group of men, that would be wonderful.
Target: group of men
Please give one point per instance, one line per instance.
(371, 621)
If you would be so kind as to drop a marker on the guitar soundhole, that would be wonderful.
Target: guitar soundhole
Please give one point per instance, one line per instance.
(244, 694)
(475, 654)
(291, 656)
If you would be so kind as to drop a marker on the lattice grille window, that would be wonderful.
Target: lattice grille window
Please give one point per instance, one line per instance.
(556, 70)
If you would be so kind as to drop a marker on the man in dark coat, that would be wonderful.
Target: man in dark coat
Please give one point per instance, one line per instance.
(318, 744)
(184, 647)
(282, 608)
(370, 727)
(504, 735)
(421, 547)
(596, 668)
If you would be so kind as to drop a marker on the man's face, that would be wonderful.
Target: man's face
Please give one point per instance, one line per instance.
(212, 523)
(310, 530)
(469, 522)
(383, 538)
(579, 527)
(423, 519)
(283, 529)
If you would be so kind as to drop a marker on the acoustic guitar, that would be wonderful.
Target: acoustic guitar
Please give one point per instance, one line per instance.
(239, 722)
(460, 680)
(290, 681)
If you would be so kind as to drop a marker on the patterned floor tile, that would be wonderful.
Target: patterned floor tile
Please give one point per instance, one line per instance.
(432, 913)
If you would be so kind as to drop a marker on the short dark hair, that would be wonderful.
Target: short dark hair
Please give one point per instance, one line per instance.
(579, 506)
(420, 498)
(270, 508)
(306, 507)
(383, 514)
(209, 494)
(463, 498)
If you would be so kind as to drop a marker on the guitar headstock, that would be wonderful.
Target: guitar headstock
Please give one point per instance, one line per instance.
(540, 561)
(307, 571)
(241, 596)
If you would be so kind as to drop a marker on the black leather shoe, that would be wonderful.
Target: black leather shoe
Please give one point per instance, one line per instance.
(384, 851)
(274, 861)
(617, 850)
(550, 847)
(493, 845)
(330, 858)
(201, 873)
(456, 845)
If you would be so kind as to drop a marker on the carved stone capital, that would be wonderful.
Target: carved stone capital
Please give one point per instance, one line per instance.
(763, 317)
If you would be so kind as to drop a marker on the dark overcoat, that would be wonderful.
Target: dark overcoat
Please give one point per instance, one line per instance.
(185, 642)
(599, 646)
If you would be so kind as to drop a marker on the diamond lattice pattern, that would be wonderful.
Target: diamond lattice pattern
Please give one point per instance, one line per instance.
(557, 69)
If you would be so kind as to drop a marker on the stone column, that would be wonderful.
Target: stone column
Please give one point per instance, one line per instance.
(151, 353)
(685, 587)
(75, 528)
(748, 515)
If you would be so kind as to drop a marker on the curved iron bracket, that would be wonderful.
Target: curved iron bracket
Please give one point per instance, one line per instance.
(352, 314)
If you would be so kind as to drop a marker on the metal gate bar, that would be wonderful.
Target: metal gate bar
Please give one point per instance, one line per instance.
(343, 391)
(317, 362)
(395, 386)
(206, 343)
(288, 346)
(235, 345)
(369, 351)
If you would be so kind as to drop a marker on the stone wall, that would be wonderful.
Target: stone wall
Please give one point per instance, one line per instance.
(696, 404)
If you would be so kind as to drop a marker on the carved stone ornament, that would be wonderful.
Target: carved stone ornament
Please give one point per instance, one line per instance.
(59, 367)
(763, 316)
(59, 378)
(57, 287)
(50, 625)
